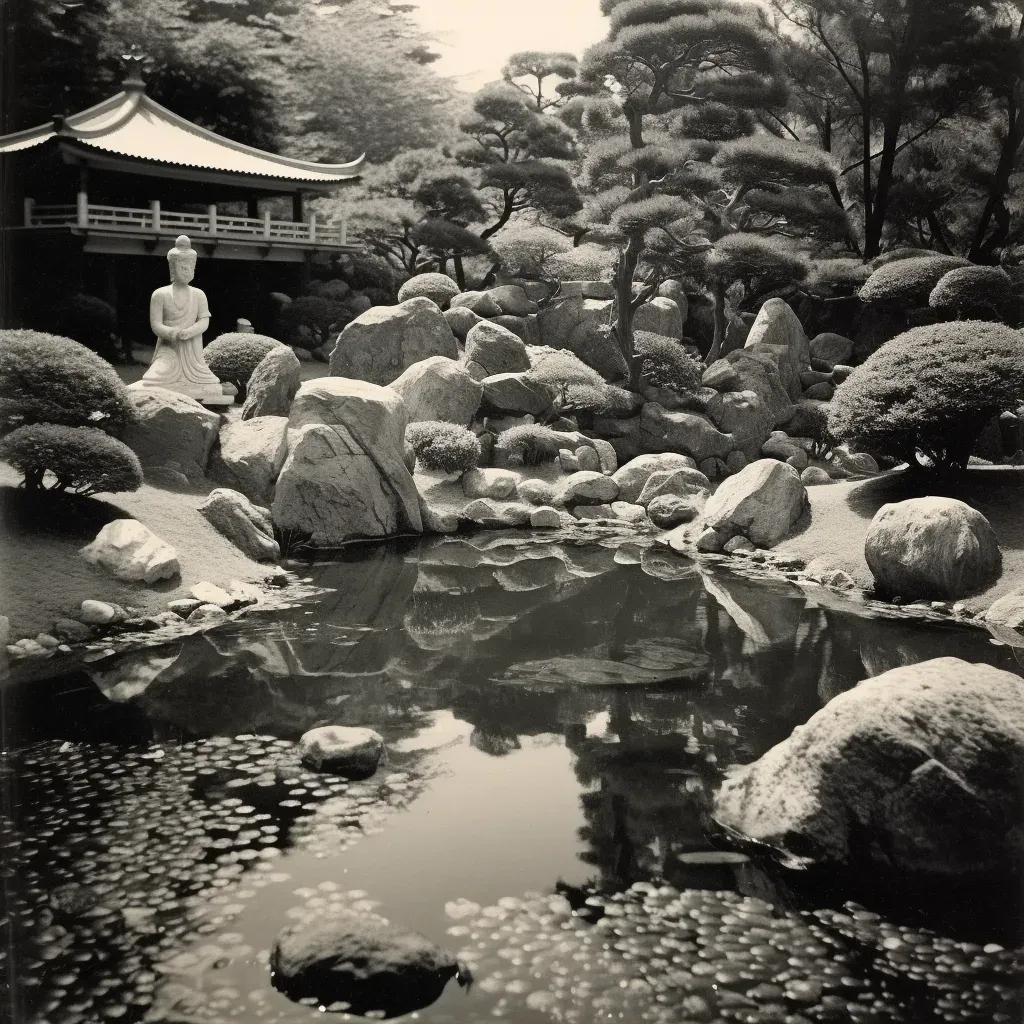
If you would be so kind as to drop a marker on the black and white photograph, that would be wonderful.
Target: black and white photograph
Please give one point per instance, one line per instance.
(512, 511)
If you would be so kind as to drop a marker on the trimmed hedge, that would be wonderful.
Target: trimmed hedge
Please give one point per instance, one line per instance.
(45, 378)
(443, 447)
(528, 445)
(974, 293)
(931, 390)
(234, 356)
(908, 282)
(665, 363)
(82, 459)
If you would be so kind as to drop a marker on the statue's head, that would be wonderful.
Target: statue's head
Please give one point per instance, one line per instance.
(182, 260)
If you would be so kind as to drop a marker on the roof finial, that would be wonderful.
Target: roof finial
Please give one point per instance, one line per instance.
(133, 63)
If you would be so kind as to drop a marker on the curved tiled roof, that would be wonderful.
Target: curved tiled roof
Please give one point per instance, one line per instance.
(131, 124)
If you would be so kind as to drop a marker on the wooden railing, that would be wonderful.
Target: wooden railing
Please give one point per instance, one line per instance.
(211, 224)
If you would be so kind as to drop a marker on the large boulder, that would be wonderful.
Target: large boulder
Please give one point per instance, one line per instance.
(362, 961)
(491, 349)
(633, 476)
(762, 502)
(582, 326)
(131, 552)
(660, 316)
(777, 332)
(512, 300)
(439, 388)
(936, 548)
(384, 341)
(461, 320)
(516, 394)
(920, 769)
(746, 416)
(690, 484)
(173, 432)
(345, 476)
(273, 384)
(757, 371)
(674, 290)
(341, 749)
(439, 288)
(587, 487)
(831, 349)
(480, 303)
(246, 525)
(688, 433)
(250, 456)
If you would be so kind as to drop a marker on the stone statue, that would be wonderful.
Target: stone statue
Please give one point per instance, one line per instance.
(178, 315)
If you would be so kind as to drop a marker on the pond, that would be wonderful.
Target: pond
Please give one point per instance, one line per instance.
(557, 717)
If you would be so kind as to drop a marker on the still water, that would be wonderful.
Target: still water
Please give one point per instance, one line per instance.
(557, 717)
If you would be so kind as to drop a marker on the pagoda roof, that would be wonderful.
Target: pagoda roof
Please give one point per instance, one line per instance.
(132, 125)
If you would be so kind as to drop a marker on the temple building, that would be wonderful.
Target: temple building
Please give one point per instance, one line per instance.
(93, 201)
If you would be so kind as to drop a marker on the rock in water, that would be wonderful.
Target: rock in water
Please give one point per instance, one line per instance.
(132, 552)
(360, 961)
(250, 455)
(346, 476)
(935, 548)
(172, 430)
(762, 502)
(384, 341)
(247, 526)
(338, 748)
(439, 388)
(272, 385)
(920, 768)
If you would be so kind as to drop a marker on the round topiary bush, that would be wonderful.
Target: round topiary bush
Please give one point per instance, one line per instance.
(234, 357)
(88, 320)
(930, 391)
(665, 364)
(48, 379)
(527, 445)
(82, 459)
(439, 288)
(307, 321)
(443, 447)
(908, 282)
(558, 368)
(974, 293)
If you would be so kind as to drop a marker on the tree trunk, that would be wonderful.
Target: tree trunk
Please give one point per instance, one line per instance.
(981, 247)
(460, 273)
(628, 260)
(718, 291)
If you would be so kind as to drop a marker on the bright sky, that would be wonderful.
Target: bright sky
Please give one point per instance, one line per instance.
(476, 37)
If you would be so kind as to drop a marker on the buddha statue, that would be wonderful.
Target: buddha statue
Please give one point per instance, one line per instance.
(179, 315)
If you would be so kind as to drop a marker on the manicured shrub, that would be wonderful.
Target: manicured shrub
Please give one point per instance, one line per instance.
(88, 320)
(558, 368)
(815, 419)
(974, 293)
(908, 282)
(307, 321)
(665, 364)
(46, 378)
(528, 445)
(234, 357)
(439, 288)
(931, 390)
(828, 276)
(443, 447)
(82, 459)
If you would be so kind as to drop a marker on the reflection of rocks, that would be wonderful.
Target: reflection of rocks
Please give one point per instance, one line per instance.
(766, 619)
(597, 672)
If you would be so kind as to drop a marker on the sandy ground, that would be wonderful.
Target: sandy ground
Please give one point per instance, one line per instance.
(43, 577)
(840, 514)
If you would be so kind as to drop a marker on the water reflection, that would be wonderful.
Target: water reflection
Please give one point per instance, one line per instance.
(590, 696)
